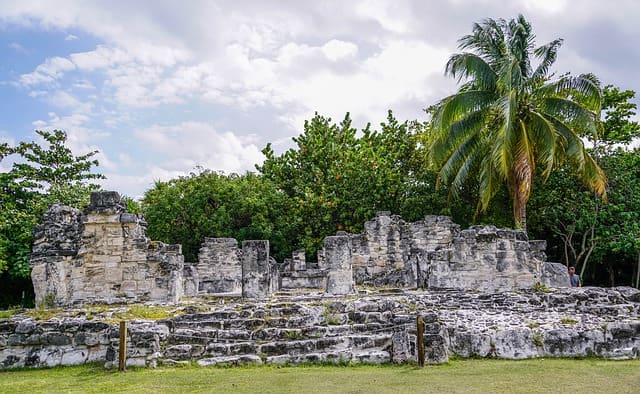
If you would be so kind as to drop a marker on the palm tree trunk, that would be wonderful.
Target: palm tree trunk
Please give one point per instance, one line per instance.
(519, 207)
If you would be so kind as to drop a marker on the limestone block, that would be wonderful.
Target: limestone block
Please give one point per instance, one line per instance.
(129, 286)
(74, 357)
(554, 275)
(298, 261)
(435, 349)
(255, 269)
(470, 344)
(337, 253)
(401, 351)
(113, 275)
(515, 344)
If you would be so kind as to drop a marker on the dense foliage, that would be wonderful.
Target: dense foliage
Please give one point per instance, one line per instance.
(208, 204)
(337, 177)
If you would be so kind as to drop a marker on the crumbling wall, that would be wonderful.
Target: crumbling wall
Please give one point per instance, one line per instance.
(219, 267)
(435, 253)
(296, 273)
(102, 255)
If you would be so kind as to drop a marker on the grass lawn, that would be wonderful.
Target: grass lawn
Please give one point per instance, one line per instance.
(587, 376)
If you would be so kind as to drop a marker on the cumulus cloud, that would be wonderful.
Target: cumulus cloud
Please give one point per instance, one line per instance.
(167, 77)
(187, 145)
(49, 71)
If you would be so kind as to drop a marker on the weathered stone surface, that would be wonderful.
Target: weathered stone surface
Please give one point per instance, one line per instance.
(219, 267)
(101, 255)
(567, 322)
(337, 254)
(256, 280)
(554, 275)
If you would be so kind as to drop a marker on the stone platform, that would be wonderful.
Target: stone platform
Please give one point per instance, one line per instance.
(372, 326)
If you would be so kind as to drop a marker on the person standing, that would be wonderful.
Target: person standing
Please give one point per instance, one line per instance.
(574, 278)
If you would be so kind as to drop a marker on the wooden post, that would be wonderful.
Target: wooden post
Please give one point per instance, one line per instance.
(420, 341)
(122, 351)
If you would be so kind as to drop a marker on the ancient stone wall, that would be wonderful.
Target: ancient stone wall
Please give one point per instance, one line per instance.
(373, 327)
(435, 253)
(219, 267)
(297, 274)
(102, 255)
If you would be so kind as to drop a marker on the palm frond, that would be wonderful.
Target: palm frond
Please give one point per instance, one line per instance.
(464, 170)
(469, 65)
(544, 135)
(547, 54)
(487, 39)
(456, 158)
(504, 138)
(454, 107)
(572, 145)
(583, 87)
(593, 176)
(571, 112)
(489, 183)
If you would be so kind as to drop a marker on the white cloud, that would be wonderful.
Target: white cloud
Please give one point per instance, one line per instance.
(392, 16)
(337, 50)
(49, 71)
(62, 99)
(83, 84)
(101, 57)
(187, 145)
(70, 37)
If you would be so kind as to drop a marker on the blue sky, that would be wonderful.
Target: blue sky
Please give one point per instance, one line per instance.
(160, 87)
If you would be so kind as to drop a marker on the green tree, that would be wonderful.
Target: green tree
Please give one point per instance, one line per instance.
(338, 177)
(580, 228)
(509, 120)
(209, 204)
(616, 129)
(39, 177)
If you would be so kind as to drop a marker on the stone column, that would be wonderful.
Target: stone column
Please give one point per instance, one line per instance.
(298, 261)
(256, 281)
(337, 253)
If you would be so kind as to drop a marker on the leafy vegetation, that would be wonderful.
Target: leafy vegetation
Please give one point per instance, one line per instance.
(336, 180)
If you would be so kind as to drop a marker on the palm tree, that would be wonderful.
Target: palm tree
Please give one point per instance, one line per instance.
(510, 121)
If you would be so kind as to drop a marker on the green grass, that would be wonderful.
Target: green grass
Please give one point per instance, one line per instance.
(460, 376)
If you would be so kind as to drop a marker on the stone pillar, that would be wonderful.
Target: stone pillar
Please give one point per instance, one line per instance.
(298, 261)
(256, 281)
(337, 253)
(55, 247)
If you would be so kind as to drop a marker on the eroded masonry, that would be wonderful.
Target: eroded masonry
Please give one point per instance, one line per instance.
(103, 255)
(359, 301)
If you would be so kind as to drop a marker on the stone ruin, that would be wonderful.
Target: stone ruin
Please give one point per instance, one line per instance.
(239, 306)
(103, 255)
